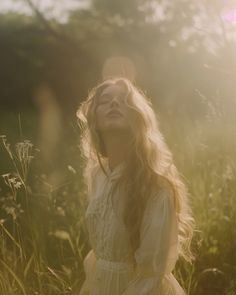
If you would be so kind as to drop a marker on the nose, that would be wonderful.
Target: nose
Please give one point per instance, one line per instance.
(114, 101)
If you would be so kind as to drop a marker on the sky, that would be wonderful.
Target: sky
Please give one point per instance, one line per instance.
(51, 8)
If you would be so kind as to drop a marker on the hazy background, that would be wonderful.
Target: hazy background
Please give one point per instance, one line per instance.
(182, 55)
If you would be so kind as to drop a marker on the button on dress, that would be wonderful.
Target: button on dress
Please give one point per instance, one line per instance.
(108, 265)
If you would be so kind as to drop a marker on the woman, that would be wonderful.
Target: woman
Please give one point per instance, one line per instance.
(138, 217)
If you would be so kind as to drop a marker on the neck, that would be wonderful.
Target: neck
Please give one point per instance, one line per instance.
(117, 146)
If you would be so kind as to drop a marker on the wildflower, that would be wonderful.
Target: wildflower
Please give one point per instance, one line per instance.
(2, 221)
(6, 145)
(24, 155)
(23, 150)
(71, 169)
(5, 175)
(12, 181)
(18, 184)
(6, 178)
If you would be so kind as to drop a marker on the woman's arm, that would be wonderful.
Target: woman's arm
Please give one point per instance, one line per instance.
(158, 250)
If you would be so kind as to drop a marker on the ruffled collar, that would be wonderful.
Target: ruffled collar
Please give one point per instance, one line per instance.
(116, 171)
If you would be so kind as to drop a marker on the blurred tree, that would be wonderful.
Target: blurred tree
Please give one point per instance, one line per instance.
(167, 42)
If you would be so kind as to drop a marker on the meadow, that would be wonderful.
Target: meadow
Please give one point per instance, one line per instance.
(182, 54)
(43, 235)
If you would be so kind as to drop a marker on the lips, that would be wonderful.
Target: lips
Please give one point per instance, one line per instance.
(114, 113)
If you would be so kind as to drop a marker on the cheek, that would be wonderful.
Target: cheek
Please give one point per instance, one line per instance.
(100, 114)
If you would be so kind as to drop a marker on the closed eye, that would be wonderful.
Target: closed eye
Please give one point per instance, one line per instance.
(104, 99)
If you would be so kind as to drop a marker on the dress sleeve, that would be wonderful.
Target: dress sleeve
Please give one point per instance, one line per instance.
(158, 250)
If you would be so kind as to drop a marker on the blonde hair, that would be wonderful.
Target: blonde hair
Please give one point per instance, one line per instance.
(149, 162)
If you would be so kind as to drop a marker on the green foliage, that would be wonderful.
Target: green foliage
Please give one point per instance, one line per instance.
(42, 237)
(70, 57)
(191, 82)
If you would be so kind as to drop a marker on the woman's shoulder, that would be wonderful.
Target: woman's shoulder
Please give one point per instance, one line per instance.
(163, 186)
(163, 192)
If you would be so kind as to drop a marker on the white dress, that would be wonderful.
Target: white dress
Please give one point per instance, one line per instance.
(108, 265)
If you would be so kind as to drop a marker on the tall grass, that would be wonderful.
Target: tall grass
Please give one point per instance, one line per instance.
(41, 244)
(204, 151)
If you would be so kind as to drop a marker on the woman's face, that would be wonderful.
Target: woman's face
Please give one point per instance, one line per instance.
(111, 111)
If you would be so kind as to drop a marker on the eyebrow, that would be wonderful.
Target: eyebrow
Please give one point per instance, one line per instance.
(105, 93)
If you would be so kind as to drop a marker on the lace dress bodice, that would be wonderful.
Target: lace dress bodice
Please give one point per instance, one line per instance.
(109, 264)
(107, 233)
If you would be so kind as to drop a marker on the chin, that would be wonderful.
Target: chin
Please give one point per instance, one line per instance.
(115, 127)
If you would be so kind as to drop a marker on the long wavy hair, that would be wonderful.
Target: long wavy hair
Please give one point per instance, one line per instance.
(150, 162)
